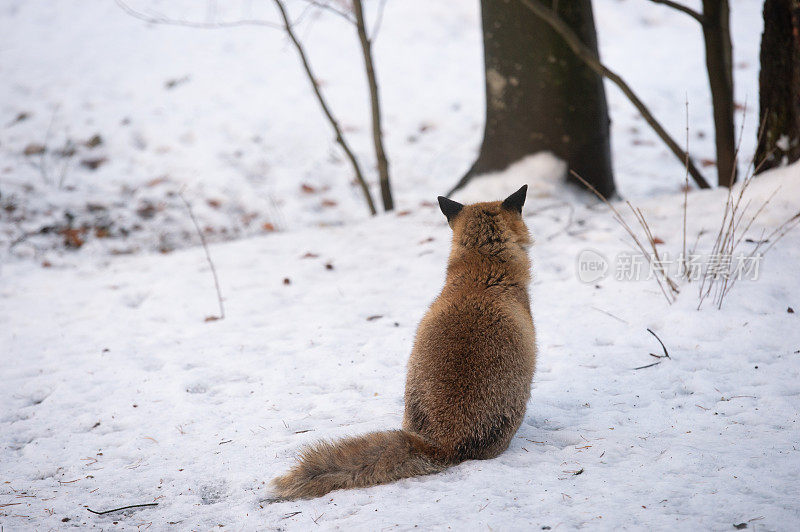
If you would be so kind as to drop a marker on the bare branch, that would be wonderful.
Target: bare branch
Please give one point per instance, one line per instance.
(727, 242)
(682, 8)
(123, 508)
(328, 7)
(376, 27)
(781, 230)
(593, 62)
(328, 114)
(208, 258)
(686, 189)
(375, 105)
(659, 264)
(725, 235)
(663, 347)
(46, 148)
(158, 19)
(287, 25)
(657, 269)
(648, 365)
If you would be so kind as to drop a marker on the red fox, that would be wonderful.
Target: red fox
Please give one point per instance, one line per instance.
(470, 371)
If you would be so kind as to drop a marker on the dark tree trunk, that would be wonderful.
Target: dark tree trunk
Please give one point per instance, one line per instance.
(719, 64)
(779, 85)
(539, 95)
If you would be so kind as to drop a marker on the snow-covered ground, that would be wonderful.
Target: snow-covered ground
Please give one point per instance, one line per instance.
(228, 114)
(117, 391)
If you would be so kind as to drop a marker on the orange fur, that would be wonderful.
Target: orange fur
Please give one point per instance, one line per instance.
(469, 374)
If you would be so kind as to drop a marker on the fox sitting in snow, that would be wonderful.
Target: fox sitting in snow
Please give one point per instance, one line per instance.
(469, 374)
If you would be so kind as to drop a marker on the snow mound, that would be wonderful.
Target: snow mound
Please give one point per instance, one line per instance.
(543, 172)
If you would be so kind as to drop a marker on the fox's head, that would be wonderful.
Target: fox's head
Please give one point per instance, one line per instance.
(490, 226)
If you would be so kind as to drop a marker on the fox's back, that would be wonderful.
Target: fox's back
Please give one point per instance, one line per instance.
(478, 335)
(473, 359)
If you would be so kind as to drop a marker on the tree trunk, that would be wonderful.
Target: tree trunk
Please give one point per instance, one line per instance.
(539, 95)
(779, 85)
(719, 64)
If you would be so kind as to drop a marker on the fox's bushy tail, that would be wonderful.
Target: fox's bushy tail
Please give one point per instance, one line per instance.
(357, 462)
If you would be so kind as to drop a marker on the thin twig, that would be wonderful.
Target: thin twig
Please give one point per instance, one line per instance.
(328, 7)
(67, 155)
(609, 314)
(725, 233)
(652, 241)
(727, 241)
(328, 114)
(376, 27)
(191, 24)
(288, 26)
(123, 508)
(781, 231)
(43, 159)
(680, 7)
(753, 218)
(700, 233)
(773, 238)
(593, 62)
(666, 354)
(670, 296)
(208, 258)
(565, 229)
(375, 106)
(686, 189)
(648, 365)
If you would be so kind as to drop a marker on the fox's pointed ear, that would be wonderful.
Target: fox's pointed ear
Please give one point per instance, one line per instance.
(516, 200)
(449, 208)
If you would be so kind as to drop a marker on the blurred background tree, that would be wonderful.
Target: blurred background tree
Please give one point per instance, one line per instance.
(540, 96)
(779, 85)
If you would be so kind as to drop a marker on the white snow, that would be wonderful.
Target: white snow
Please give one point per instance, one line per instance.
(543, 172)
(118, 392)
(240, 130)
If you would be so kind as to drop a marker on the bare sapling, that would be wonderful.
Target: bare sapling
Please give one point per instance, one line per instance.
(208, 259)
